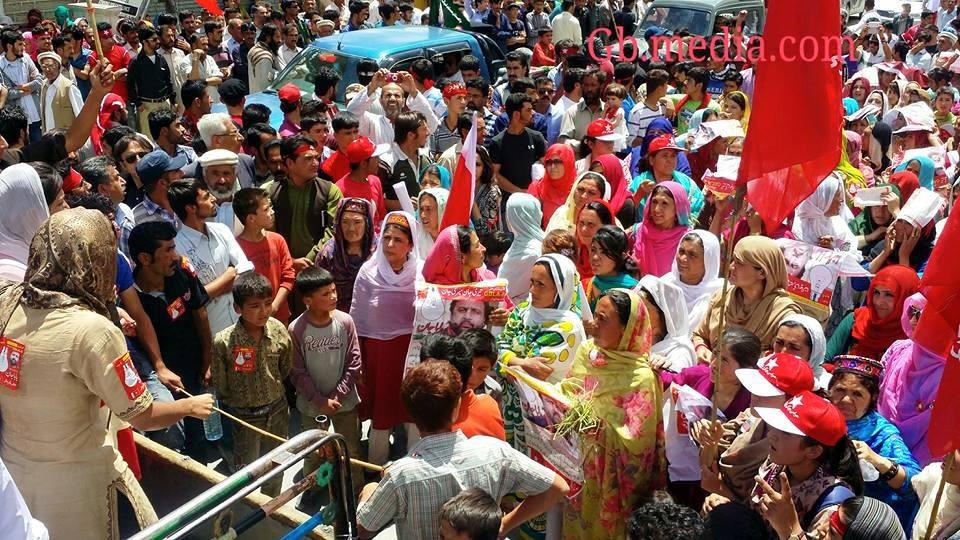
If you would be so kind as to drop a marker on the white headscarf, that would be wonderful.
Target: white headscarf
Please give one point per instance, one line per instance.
(675, 345)
(383, 299)
(425, 240)
(23, 209)
(563, 318)
(698, 296)
(818, 342)
(523, 218)
(811, 221)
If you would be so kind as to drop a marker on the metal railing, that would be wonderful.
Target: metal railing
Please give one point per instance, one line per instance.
(210, 503)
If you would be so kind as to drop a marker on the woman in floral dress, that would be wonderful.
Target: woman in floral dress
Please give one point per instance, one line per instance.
(623, 461)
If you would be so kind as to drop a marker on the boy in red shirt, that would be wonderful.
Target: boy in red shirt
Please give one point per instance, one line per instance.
(544, 52)
(362, 181)
(267, 250)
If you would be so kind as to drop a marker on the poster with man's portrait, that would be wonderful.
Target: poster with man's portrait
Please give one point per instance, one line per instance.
(812, 274)
(452, 310)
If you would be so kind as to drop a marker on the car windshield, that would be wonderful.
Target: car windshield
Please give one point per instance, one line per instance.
(675, 19)
(303, 68)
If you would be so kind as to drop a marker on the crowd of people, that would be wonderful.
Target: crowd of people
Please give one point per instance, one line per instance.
(165, 250)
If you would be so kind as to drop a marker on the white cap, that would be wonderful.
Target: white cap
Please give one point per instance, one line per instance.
(757, 384)
(218, 156)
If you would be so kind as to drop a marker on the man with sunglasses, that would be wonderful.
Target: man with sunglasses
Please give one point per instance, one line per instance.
(149, 80)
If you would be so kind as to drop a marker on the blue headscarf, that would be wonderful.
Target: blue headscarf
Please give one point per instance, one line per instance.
(927, 168)
(441, 171)
(850, 106)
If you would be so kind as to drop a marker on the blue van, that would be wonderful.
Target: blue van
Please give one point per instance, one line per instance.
(394, 48)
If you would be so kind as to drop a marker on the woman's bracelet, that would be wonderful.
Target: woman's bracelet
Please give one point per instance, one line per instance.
(891, 472)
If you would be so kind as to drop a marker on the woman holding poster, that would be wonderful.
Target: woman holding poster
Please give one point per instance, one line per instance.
(456, 257)
(540, 337)
(624, 460)
(382, 309)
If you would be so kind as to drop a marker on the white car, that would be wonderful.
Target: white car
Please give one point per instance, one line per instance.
(888, 9)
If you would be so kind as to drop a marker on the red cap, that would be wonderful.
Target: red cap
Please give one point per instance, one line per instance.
(603, 130)
(363, 149)
(664, 142)
(777, 375)
(809, 415)
(289, 93)
(106, 34)
(454, 89)
(72, 181)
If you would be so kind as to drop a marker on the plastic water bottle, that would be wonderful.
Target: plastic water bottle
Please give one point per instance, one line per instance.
(212, 426)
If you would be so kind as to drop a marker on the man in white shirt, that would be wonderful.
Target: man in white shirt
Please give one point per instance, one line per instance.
(60, 99)
(22, 78)
(565, 25)
(220, 176)
(392, 86)
(946, 13)
(210, 247)
(289, 48)
(203, 66)
(180, 66)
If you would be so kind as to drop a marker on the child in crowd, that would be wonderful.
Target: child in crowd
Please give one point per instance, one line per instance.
(613, 97)
(943, 105)
(250, 361)
(544, 52)
(472, 514)
(326, 364)
(479, 415)
(483, 348)
(496, 244)
(267, 250)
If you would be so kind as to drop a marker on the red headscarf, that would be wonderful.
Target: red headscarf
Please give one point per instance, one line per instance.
(111, 102)
(613, 172)
(444, 263)
(583, 262)
(873, 333)
(907, 182)
(553, 192)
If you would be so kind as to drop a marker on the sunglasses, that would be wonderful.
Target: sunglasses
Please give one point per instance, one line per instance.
(553, 162)
(133, 158)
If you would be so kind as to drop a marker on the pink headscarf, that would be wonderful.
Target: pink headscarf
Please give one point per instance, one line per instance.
(654, 248)
(613, 172)
(444, 263)
(916, 300)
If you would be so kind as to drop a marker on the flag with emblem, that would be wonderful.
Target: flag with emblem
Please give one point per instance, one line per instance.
(938, 331)
(464, 183)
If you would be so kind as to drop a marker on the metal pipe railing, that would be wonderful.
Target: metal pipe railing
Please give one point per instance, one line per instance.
(240, 484)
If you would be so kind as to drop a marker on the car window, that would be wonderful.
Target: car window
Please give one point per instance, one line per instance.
(404, 65)
(675, 19)
(301, 72)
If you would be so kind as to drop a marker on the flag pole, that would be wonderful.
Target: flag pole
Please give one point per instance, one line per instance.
(96, 35)
(725, 270)
(948, 465)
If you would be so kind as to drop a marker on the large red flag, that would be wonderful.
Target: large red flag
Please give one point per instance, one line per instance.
(939, 332)
(785, 158)
(464, 183)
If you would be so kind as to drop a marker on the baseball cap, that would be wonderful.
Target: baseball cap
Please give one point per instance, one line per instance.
(152, 166)
(232, 89)
(363, 148)
(289, 93)
(664, 142)
(602, 130)
(808, 415)
(777, 375)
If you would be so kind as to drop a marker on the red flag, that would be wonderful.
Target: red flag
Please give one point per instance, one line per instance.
(784, 161)
(464, 183)
(939, 332)
(211, 7)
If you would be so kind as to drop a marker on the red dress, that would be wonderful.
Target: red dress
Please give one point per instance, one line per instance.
(379, 387)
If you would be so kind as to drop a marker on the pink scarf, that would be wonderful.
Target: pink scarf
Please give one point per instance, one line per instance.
(654, 248)
(444, 263)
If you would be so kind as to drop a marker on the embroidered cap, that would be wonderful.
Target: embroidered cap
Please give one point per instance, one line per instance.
(777, 375)
(867, 367)
(398, 219)
(809, 415)
(454, 89)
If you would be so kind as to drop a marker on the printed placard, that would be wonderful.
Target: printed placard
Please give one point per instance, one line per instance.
(11, 358)
(176, 309)
(244, 359)
(451, 310)
(723, 182)
(132, 385)
(812, 273)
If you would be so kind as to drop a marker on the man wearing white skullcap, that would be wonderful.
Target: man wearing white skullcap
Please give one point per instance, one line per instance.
(60, 99)
(219, 168)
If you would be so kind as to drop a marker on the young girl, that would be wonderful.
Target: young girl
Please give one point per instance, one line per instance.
(613, 99)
